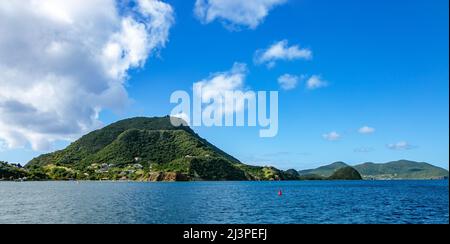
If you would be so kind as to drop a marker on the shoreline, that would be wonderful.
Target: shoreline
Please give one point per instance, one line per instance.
(212, 181)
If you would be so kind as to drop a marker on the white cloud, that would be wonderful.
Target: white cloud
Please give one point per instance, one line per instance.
(218, 84)
(235, 13)
(288, 82)
(366, 130)
(62, 62)
(316, 82)
(281, 51)
(332, 136)
(402, 145)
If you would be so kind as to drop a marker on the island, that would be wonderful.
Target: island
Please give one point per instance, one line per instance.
(152, 149)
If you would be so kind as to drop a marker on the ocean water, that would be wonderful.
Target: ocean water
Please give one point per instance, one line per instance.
(225, 202)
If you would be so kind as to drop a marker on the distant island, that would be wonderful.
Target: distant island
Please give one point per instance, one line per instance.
(396, 170)
(152, 149)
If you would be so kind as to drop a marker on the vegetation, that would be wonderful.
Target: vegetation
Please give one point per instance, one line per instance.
(215, 169)
(346, 173)
(17, 172)
(311, 177)
(152, 149)
(292, 173)
(402, 169)
(119, 141)
(11, 171)
(147, 149)
(324, 171)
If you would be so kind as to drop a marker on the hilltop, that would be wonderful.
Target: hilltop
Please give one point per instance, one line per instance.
(152, 149)
(147, 149)
(402, 169)
(324, 171)
(346, 173)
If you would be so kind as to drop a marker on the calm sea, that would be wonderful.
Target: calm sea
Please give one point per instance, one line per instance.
(225, 202)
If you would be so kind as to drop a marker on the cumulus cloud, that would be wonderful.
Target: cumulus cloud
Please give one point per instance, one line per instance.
(402, 145)
(235, 13)
(288, 82)
(218, 84)
(316, 82)
(281, 51)
(366, 130)
(332, 136)
(62, 62)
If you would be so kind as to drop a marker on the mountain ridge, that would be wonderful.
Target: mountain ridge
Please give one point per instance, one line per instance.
(97, 140)
(147, 149)
(152, 149)
(400, 169)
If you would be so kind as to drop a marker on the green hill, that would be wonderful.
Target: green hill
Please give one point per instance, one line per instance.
(147, 149)
(346, 173)
(402, 169)
(324, 171)
(9, 171)
(152, 149)
(96, 144)
(340, 172)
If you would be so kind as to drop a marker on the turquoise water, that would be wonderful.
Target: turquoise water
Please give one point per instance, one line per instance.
(225, 202)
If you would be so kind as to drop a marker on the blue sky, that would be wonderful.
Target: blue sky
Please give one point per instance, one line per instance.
(385, 63)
